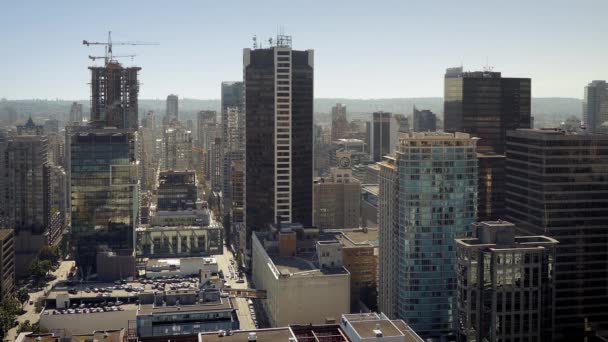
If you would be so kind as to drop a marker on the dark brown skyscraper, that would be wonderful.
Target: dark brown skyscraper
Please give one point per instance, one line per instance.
(557, 186)
(279, 134)
(486, 105)
(114, 91)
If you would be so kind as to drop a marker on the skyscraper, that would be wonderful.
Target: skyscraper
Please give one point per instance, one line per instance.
(491, 197)
(172, 106)
(339, 122)
(505, 285)
(595, 106)
(177, 151)
(381, 135)
(437, 204)
(279, 134)
(232, 97)
(233, 143)
(486, 105)
(424, 120)
(206, 120)
(556, 185)
(76, 115)
(114, 94)
(388, 231)
(105, 195)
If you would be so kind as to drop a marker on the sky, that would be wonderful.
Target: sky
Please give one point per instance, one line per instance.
(363, 49)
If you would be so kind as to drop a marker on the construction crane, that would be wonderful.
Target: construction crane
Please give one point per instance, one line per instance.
(109, 57)
(93, 58)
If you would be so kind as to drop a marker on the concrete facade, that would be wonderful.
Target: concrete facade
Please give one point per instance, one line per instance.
(298, 295)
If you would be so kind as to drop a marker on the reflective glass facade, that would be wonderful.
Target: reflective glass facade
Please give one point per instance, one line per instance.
(437, 203)
(557, 185)
(104, 194)
(279, 136)
(486, 105)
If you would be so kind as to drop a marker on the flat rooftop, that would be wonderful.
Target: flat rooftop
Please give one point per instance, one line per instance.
(362, 237)
(365, 329)
(151, 309)
(263, 335)
(288, 265)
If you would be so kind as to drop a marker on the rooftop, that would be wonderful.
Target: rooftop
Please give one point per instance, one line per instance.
(371, 188)
(359, 237)
(262, 335)
(290, 265)
(151, 309)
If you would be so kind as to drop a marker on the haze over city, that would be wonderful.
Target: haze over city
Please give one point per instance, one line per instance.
(386, 50)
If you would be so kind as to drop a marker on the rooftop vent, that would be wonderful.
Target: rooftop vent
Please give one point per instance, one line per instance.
(377, 331)
(252, 337)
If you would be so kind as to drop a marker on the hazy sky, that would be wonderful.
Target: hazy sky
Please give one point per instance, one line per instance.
(363, 49)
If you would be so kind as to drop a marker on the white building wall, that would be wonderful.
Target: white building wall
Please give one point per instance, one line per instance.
(302, 298)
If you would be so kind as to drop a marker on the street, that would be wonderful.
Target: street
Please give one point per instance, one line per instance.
(242, 306)
(30, 310)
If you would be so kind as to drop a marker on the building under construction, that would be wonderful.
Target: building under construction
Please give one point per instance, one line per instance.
(114, 91)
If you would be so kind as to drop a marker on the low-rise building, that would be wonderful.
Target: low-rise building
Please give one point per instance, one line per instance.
(297, 290)
(179, 241)
(156, 268)
(176, 314)
(351, 328)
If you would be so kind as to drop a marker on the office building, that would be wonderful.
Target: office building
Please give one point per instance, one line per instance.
(381, 135)
(172, 107)
(114, 94)
(180, 240)
(206, 120)
(51, 126)
(30, 128)
(424, 120)
(216, 163)
(279, 134)
(595, 106)
(337, 199)
(486, 105)
(7, 262)
(403, 123)
(76, 114)
(176, 190)
(505, 285)
(491, 186)
(369, 205)
(339, 122)
(177, 151)
(388, 235)
(26, 158)
(105, 195)
(297, 290)
(437, 204)
(232, 107)
(556, 185)
(357, 251)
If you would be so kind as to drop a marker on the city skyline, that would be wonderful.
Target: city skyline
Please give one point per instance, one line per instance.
(403, 57)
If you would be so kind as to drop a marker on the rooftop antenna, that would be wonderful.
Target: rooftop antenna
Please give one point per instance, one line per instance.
(255, 41)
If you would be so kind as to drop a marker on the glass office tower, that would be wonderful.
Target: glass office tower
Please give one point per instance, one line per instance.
(557, 186)
(486, 105)
(437, 204)
(104, 194)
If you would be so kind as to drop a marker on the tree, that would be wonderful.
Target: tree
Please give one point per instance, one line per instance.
(35, 328)
(39, 269)
(22, 296)
(9, 308)
(50, 253)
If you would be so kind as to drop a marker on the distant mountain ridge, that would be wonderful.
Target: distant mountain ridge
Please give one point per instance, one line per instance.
(546, 110)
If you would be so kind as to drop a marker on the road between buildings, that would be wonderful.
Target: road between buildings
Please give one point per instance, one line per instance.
(61, 273)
